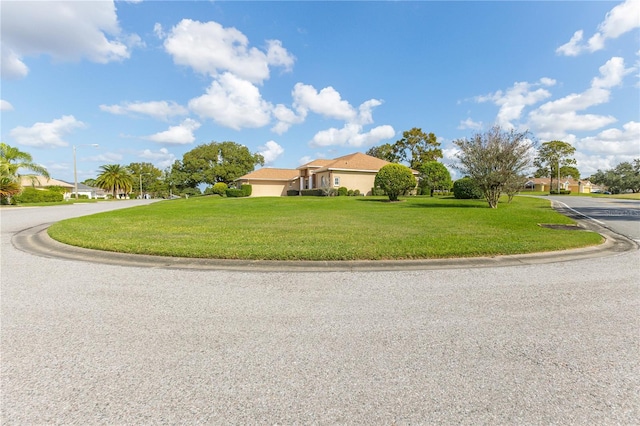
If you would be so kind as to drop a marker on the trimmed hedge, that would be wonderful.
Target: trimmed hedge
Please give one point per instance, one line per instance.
(32, 195)
(293, 192)
(561, 192)
(234, 193)
(246, 190)
(312, 193)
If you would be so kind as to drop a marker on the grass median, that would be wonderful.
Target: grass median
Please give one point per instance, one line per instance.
(335, 228)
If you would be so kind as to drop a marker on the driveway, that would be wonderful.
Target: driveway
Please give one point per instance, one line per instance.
(107, 344)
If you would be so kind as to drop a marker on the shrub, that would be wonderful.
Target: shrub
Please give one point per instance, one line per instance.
(350, 193)
(246, 190)
(378, 192)
(32, 195)
(312, 193)
(395, 179)
(219, 188)
(561, 192)
(466, 189)
(234, 193)
(343, 191)
(356, 192)
(293, 192)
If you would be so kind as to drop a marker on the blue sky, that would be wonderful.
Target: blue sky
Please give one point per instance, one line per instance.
(150, 80)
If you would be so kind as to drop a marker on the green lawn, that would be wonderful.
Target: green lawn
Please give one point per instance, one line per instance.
(320, 228)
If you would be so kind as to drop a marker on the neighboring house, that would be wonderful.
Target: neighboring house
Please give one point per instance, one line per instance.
(268, 182)
(567, 184)
(41, 182)
(353, 171)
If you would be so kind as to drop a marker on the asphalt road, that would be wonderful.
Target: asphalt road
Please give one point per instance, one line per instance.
(621, 215)
(88, 343)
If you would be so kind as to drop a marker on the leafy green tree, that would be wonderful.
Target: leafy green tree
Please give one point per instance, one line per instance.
(116, 179)
(624, 177)
(146, 175)
(466, 189)
(395, 180)
(89, 182)
(417, 148)
(214, 162)
(434, 176)
(385, 152)
(12, 161)
(493, 158)
(552, 155)
(514, 185)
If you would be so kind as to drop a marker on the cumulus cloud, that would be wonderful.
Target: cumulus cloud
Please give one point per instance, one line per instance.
(161, 110)
(614, 141)
(5, 105)
(270, 151)
(327, 102)
(67, 31)
(513, 101)
(209, 48)
(286, 118)
(47, 134)
(233, 102)
(554, 119)
(179, 135)
(352, 135)
(161, 159)
(619, 20)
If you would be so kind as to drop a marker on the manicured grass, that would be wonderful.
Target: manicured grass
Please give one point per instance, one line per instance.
(336, 228)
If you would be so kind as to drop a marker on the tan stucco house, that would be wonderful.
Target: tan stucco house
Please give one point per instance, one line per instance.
(353, 171)
(566, 184)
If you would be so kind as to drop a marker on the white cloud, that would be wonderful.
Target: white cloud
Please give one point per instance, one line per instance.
(67, 31)
(161, 159)
(233, 102)
(470, 124)
(553, 120)
(327, 102)
(618, 21)
(612, 73)
(161, 110)
(516, 98)
(5, 105)
(106, 157)
(286, 118)
(614, 141)
(572, 47)
(270, 151)
(351, 135)
(211, 49)
(46, 134)
(179, 135)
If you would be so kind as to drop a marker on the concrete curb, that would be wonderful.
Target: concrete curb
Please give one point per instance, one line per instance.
(37, 241)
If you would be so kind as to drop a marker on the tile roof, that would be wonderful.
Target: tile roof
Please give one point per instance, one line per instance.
(315, 163)
(356, 161)
(268, 173)
(43, 182)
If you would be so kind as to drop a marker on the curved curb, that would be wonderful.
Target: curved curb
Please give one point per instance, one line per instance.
(37, 241)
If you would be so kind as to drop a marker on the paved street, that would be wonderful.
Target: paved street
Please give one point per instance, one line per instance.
(93, 343)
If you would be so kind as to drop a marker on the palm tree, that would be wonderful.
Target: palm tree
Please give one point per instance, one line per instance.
(115, 178)
(12, 160)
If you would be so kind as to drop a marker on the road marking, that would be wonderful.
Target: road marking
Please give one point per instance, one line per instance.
(581, 214)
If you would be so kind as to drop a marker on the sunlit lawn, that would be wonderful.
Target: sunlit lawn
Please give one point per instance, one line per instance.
(335, 228)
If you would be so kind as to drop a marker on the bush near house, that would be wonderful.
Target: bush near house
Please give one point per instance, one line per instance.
(219, 188)
(466, 189)
(312, 193)
(32, 195)
(293, 192)
(561, 192)
(246, 190)
(343, 191)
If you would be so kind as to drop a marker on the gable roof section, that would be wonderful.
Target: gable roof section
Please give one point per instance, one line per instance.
(43, 182)
(315, 164)
(355, 162)
(268, 173)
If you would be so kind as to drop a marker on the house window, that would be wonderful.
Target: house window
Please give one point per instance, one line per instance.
(336, 181)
